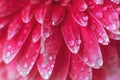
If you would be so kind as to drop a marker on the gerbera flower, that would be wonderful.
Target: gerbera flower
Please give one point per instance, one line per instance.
(59, 39)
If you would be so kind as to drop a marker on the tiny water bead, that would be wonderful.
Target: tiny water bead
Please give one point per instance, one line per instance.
(99, 14)
(99, 1)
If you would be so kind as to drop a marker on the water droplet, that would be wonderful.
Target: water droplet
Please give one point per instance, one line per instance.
(99, 62)
(25, 65)
(75, 49)
(100, 40)
(46, 34)
(71, 43)
(1, 26)
(78, 41)
(20, 43)
(112, 27)
(50, 58)
(85, 78)
(45, 75)
(99, 1)
(83, 7)
(89, 69)
(99, 14)
(8, 54)
(85, 18)
(92, 64)
(85, 59)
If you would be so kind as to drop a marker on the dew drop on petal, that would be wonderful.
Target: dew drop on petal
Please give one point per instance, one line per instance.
(99, 62)
(99, 1)
(25, 65)
(71, 43)
(99, 14)
(85, 59)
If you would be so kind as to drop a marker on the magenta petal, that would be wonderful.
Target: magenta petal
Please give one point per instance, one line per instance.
(110, 57)
(61, 65)
(114, 36)
(2, 41)
(80, 5)
(26, 14)
(9, 7)
(3, 22)
(27, 61)
(14, 26)
(100, 32)
(40, 13)
(36, 33)
(71, 34)
(45, 68)
(90, 51)
(50, 50)
(79, 70)
(106, 16)
(58, 15)
(80, 17)
(13, 45)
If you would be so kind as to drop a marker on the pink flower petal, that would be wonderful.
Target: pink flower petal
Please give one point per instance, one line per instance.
(26, 14)
(100, 32)
(80, 17)
(29, 57)
(71, 34)
(40, 13)
(58, 15)
(79, 70)
(4, 22)
(110, 57)
(99, 73)
(106, 16)
(36, 33)
(14, 27)
(13, 45)
(51, 49)
(79, 5)
(61, 65)
(10, 7)
(114, 36)
(90, 51)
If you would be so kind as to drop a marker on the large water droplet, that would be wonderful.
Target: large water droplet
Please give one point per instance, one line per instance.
(99, 62)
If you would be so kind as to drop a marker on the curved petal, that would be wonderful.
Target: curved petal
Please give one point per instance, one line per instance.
(51, 47)
(13, 45)
(61, 65)
(79, 70)
(90, 50)
(106, 16)
(71, 34)
(29, 54)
